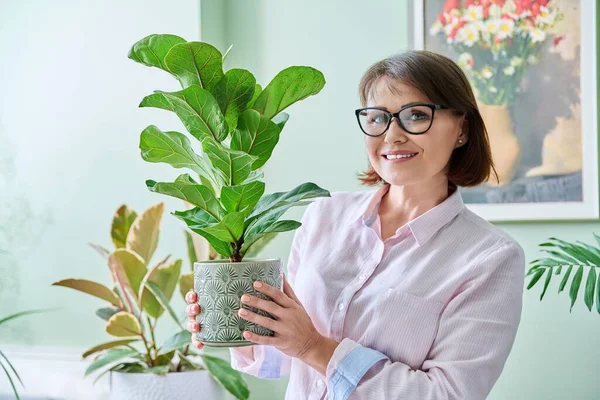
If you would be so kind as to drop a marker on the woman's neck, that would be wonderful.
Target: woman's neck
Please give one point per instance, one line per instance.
(405, 203)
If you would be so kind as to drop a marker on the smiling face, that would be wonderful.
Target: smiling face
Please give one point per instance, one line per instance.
(418, 159)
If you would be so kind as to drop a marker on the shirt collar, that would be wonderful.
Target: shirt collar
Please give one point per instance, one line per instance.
(425, 226)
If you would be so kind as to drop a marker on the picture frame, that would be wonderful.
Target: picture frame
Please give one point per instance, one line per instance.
(553, 106)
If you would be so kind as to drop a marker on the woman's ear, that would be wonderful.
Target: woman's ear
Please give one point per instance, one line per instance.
(464, 132)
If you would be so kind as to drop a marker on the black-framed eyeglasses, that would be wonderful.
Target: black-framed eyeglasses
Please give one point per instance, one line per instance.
(414, 118)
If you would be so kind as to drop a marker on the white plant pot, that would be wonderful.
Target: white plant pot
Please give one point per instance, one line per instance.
(191, 385)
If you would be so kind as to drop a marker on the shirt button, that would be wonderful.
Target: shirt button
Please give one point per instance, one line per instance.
(341, 306)
(320, 383)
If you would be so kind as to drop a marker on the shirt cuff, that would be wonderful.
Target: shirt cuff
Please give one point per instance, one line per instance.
(266, 364)
(349, 363)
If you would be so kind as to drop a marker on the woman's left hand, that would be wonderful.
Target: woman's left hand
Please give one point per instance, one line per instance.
(295, 333)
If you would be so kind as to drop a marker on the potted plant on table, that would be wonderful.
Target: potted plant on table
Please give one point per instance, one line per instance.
(140, 366)
(237, 124)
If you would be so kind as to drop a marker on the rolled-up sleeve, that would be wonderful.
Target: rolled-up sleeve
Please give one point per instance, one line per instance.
(476, 333)
(268, 362)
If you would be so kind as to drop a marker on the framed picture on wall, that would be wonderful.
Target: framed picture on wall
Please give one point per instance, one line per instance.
(532, 65)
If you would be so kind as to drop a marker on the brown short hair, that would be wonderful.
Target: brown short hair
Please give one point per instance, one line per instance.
(443, 82)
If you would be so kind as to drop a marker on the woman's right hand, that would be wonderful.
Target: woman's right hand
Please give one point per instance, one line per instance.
(192, 310)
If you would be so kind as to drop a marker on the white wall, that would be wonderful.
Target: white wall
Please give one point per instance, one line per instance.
(69, 133)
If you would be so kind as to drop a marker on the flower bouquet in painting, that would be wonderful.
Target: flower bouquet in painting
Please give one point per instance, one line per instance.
(496, 41)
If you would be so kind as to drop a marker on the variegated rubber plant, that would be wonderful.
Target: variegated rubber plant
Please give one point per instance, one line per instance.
(565, 257)
(237, 125)
(140, 294)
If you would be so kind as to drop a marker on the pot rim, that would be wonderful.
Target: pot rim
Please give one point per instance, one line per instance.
(246, 261)
(160, 376)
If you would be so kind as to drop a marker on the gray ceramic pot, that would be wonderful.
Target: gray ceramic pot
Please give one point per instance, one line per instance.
(220, 285)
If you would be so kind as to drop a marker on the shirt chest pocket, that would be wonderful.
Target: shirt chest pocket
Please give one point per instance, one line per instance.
(406, 326)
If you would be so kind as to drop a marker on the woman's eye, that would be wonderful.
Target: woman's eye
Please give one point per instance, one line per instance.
(378, 119)
(419, 116)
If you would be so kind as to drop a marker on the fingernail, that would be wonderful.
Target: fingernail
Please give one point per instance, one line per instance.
(258, 284)
(247, 334)
(243, 311)
(190, 297)
(193, 310)
(193, 326)
(245, 298)
(198, 345)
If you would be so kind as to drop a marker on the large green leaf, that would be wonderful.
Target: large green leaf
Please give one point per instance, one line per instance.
(166, 277)
(133, 266)
(289, 86)
(273, 206)
(259, 231)
(242, 198)
(173, 148)
(196, 108)
(233, 166)
(122, 221)
(123, 324)
(255, 135)
(590, 286)
(143, 235)
(198, 195)
(92, 288)
(578, 252)
(229, 230)
(233, 92)
(110, 357)
(177, 342)
(197, 219)
(162, 299)
(195, 63)
(152, 49)
(228, 377)
(257, 91)
(108, 345)
(256, 248)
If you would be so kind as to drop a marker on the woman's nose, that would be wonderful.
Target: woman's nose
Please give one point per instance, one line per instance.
(395, 133)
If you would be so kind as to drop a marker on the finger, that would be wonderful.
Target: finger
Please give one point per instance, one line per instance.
(265, 305)
(191, 297)
(287, 289)
(193, 326)
(197, 344)
(277, 295)
(258, 319)
(259, 339)
(192, 310)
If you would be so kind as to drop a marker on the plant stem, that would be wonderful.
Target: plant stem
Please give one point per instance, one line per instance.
(148, 354)
(151, 328)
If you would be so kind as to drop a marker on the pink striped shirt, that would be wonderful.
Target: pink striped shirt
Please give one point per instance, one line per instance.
(439, 302)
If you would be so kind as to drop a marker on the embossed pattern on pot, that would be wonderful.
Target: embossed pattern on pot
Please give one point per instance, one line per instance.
(220, 285)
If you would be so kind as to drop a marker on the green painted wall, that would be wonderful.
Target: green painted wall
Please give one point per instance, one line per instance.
(556, 354)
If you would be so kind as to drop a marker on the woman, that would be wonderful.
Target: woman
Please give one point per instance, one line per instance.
(402, 292)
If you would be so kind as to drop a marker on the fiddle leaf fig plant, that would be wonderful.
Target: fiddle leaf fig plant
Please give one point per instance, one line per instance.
(237, 124)
(140, 294)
